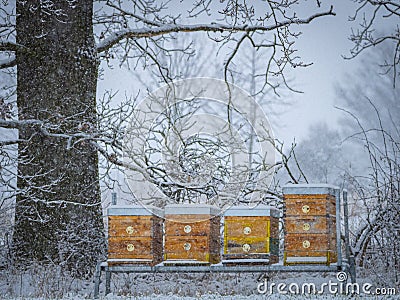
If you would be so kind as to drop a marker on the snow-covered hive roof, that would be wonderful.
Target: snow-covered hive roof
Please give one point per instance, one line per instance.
(191, 209)
(259, 210)
(134, 210)
(310, 189)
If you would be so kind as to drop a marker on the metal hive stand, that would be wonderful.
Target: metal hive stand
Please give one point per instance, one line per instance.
(218, 268)
(347, 266)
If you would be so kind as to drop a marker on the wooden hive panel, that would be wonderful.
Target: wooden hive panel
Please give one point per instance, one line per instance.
(130, 248)
(188, 227)
(310, 246)
(192, 236)
(309, 242)
(250, 226)
(251, 234)
(190, 248)
(310, 205)
(310, 224)
(245, 246)
(128, 226)
(320, 248)
(134, 239)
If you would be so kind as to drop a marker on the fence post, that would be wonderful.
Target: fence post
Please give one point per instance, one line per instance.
(350, 258)
(113, 198)
(338, 230)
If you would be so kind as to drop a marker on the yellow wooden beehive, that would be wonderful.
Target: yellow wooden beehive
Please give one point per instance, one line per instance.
(135, 235)
(251, 235)
(310, 224)
(192, 234)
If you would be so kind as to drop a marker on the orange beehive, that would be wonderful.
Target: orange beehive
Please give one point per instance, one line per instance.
(251, 235)
(310, 224)
(134, 235)
(192, 234)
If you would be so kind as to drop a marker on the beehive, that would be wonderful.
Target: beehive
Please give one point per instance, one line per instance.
(135, 235)
(192, 234)
(310, 224)
(251, 235)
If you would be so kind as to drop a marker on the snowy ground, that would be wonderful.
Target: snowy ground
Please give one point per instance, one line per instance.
(47, 283)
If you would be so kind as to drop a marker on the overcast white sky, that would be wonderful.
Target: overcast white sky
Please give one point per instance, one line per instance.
(323, 42)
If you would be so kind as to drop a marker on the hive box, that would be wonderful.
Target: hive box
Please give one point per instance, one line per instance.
(251, 235)
(192, 234)
(135, 235)
(310, 224)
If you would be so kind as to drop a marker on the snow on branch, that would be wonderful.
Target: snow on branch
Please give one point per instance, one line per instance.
(367, 34)
(11, 46)
(116, 37)
(8, 62)
(7, 46)
(50, 130)
(14, 124)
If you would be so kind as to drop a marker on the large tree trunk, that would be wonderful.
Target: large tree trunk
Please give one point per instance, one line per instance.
(58, 210)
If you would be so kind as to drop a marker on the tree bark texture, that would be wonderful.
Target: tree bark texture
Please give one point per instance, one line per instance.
(58, 209)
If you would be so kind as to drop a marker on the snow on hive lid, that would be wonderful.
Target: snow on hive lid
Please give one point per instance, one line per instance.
(259, 210)
(191, 209)
(310, 189)
(134, 210)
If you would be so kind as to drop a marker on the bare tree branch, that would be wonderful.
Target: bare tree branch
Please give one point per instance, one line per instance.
(11, 46)
(369, 13)
(116, 37)
(8, 62)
